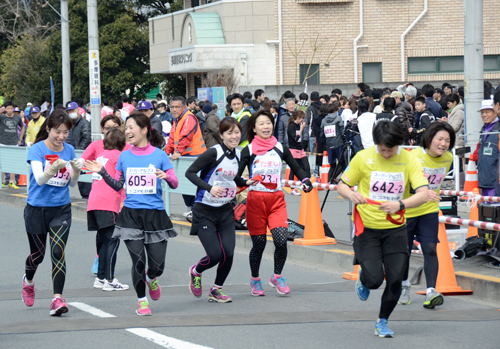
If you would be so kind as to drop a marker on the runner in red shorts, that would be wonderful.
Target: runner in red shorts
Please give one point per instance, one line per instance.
(267, 207)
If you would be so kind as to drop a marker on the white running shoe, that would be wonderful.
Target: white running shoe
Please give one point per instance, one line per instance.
(295, 192)
(114, 286)
(188, 212)
(98, 283)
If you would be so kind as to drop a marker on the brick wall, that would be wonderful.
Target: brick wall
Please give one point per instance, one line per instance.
(439, 33)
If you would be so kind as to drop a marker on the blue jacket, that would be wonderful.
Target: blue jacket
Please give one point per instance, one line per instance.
(434, 107)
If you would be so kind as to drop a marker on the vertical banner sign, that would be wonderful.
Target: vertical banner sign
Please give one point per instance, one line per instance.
(52, 97)
(219, 97)
(94, 78)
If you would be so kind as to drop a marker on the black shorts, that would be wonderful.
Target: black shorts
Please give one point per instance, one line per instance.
(204, 215)
(39, 220)
(377, 243)
(99, 219)
(424, 228)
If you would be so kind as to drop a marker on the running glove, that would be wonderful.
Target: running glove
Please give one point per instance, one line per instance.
(54, 168)
(307, 185)
(76, 167)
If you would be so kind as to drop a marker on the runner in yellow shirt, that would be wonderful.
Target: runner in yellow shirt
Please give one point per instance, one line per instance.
(384, 174)
(422, 222)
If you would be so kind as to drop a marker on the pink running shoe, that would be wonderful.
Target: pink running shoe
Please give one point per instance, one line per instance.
(154, 289)
(217, 296)
(28, 293)
(279, 284)
(257, 289)
(195, 283)
(143, 309)
(58, 307)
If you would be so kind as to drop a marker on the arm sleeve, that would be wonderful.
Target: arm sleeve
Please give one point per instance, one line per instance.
(37, 168)
(416, 174)
(299, 172)
(169, 149)
(172, 180)
(244, 162)
(457, 121)
(352, 174)
(89, 153)
(116, 185)
(204, 160)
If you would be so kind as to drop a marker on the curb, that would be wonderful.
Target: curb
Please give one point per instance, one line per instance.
(337, 258)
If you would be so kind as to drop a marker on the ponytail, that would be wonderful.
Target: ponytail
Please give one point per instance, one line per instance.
(156, 139)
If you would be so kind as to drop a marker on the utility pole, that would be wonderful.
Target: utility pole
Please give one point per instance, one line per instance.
(66, 70)
(473, 68)
(94, 69)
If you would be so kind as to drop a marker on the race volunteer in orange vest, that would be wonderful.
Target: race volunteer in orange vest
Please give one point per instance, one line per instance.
(186, 139)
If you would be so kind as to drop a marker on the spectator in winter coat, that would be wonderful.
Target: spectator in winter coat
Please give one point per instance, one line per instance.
(296, 125)
(148, 110)
(456, 118)
(211, 134)
(285, 112)
(311, 114)
(260, 96)
(433, 106)
(425, 118)
(332, 129)
(320, 142)
(405, 114)
(80, 138)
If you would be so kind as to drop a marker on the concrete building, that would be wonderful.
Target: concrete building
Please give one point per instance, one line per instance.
(373, 41)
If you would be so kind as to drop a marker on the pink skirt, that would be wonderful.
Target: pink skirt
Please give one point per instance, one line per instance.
(298, 154)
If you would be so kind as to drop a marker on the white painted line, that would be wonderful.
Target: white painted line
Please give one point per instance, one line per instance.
(157, 338)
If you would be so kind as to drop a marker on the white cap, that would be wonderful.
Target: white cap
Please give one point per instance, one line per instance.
(486, 104)
(29, 104)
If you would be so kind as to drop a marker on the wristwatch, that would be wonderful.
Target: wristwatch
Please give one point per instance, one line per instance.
(401, 205)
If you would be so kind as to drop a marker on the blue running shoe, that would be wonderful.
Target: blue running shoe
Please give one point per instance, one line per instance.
(362, 292)
(95, 268)
(382, 330)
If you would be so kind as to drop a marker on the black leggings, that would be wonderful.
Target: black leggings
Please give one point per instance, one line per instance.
(431, 263)
(304, 163)
(259, 244)
(107, 253)
(372, 276)
(217, 235)
(58, 237)
(156, 262)
(98, 242)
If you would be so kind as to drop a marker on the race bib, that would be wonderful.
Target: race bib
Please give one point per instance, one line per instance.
(228, 194)
(435, 176)
(387, 186)
(141, 180)
(330, 131)
(60, 179)
(103, 162)
(270, 178)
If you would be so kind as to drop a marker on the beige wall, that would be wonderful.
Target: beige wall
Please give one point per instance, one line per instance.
(439, 33)
(243, 22)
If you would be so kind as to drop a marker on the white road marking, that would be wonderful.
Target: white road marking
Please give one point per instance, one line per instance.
(157, 338)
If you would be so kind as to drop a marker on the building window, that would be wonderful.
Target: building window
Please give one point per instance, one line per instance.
(372, 72)
(447, 65)
(153, 31)
(313, 77)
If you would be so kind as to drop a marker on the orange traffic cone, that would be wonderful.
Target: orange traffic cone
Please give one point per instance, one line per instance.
(474, 216)
(325, 168)
(471, 180)
(303, 208)
(446, 280)
(23, 181)
(314, 232)
(353, 275)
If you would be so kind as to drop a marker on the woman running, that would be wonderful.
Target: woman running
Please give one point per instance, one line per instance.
(104, 203)
(213, 216)
(266, 206)
(143, 222)
(384, 174)
(422, 222)
(48, 208)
